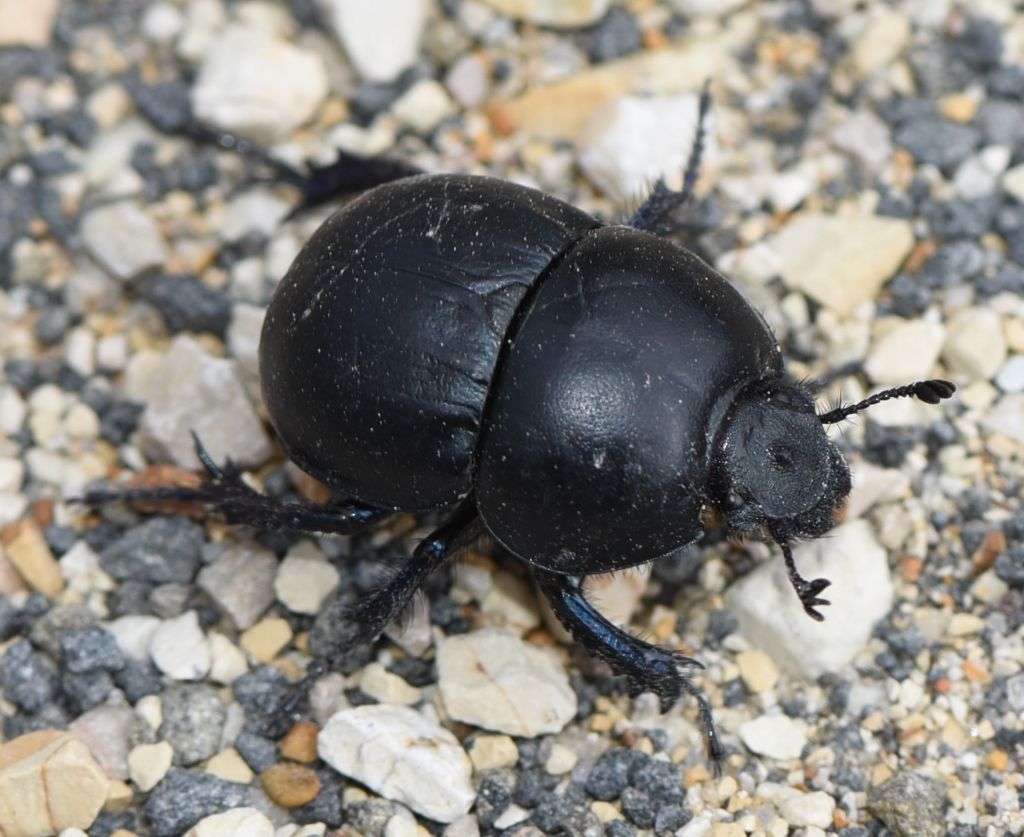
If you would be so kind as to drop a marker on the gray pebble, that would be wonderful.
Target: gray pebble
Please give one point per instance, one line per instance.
(193, 720)
(939, 142)
(910, 804)
(27, 679)
(160, 550)
(184, 797)
(90, 649)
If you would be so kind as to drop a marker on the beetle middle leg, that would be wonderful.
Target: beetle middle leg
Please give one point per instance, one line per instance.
(648, 667)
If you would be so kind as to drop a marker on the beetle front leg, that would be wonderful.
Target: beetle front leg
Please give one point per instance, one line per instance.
(648, 667)
(807, 590)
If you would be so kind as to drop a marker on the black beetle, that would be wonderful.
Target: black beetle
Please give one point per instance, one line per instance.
(579, 391)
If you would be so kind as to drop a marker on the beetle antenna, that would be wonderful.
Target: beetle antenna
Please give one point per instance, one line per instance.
(654, 213)
(931, 392)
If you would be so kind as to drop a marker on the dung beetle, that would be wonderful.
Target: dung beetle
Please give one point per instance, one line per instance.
(581, 392)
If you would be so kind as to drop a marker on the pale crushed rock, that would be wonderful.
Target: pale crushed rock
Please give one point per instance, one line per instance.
(493, 680)
(907, 351)
(257, 85)
(304, 581)
(27, 24)
(809, 809)
(775, 736)
(423, 106)
(635, 140)
(124, 239)
(380, 37)
(386, 687)
(149, 763)
(771, 616)
(975, 346)
(179, 648)
(881, 41)
(134, 634)
(841, 261)
(555, 13)
(236, 822)
(201, 393)
(1007, 417)
(241, 582)
(227, 661)
(403, 756)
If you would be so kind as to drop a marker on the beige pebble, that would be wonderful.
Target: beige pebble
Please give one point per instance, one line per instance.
(299, 744)
(758, 670)
(382, 685)
(492, 752)
(149, 763)
(49, 781)
(605, 811)
(228, 764)
(561, 760)
(26, 549)
(266, 638)
(119, 796)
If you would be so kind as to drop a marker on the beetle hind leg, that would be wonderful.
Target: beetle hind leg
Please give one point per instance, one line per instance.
(225, 494)
(647, 667)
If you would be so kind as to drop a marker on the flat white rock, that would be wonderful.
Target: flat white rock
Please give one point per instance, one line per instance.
(179, 648)
(494, 680)
(772, 618)
(808, 809)
(241, 582)
(381, 37)
(28, 24)
(1007, 417)
(568, 13)
(775, 736)
(906, 352)
(403, 756)
(841, 261)
(975, 347)
(255, 84)
(237, 822)
(200, 392)
(303, 582)
(635, 140)
(124, 239)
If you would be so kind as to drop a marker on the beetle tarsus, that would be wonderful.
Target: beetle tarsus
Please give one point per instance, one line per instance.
(655, 214)
(807, 590)
(646, 667)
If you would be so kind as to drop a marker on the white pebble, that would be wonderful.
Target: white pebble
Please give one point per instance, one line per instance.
(303, 582)
(149, 763)
(975, 346)
(423, 106)
(775, 736)
(237, 822)
(403, 756)
(179, 648)
(905, 353)
(381, 37)
(809, 809)
(124, 239)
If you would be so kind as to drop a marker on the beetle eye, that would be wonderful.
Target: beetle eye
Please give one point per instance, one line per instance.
(733, 501)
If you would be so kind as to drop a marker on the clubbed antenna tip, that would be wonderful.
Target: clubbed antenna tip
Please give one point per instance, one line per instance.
(931, 392)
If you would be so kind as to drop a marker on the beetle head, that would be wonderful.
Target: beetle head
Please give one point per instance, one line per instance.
(774, 466)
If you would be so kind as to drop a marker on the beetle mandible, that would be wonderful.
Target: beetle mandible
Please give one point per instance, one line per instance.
(579, 391)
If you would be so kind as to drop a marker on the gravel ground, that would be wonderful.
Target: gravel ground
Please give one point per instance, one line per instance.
(863, 186)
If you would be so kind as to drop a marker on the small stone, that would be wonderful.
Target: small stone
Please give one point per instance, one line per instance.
(149, 763)
(907, 352)
(772, 618)
(49, 781)
(266, 639)
(299, 744)
(184, 797)
(555, 13)
(492, 679)
(1010, 377)
(910, 804)
(1013, 182)
(758, 671)
(90, 649)
(27, 24)
(119, 796)
(775, 736)
(381, 37)
(193, 721)
(303, 582)
(707, 8)
(257, 85)
(124, 239)
(841, 261)
(865, 136)
(881, 42)
(403, 756)
(161, 550)
(228, 764)
(809, 809)
(238, 822)
(133, 634)
(217, 409)
(493, 752)
(385, 687)
(467, 80)
(227, 660)
(12, 474)
(510, 602)
(975, 346)
(423, 106)
(290, 785)
(636, 140)
(25, 547)
(241, 582)
(937, 141)
(560, 761)
(179, 648)
(1007, 417)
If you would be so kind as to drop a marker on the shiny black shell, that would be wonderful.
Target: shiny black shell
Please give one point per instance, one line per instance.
(448, 334)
